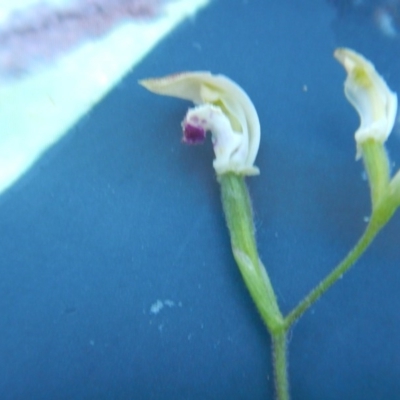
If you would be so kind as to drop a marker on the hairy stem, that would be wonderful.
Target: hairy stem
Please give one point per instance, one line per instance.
(369, 234)
(279, 342)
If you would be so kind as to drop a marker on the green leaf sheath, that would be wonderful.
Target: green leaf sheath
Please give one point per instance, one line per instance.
(376, 164)
(239, 217)
(384, 191)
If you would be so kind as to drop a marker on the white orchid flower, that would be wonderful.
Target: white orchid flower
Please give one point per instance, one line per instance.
(367, 91)
(222, 108)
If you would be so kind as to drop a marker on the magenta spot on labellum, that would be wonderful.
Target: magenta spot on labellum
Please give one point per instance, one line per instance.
(193, 134)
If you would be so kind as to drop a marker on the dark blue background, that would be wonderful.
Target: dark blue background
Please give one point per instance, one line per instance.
(121, 214)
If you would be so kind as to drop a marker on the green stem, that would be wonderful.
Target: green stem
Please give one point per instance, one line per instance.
(279, 342)
(239, 217)
(369, 234)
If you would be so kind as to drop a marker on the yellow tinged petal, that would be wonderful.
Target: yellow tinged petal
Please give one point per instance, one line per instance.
(368, 92)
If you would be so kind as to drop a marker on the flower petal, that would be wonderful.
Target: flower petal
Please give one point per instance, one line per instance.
(367, 91)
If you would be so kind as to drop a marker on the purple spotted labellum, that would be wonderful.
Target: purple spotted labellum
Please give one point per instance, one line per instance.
(193, 131)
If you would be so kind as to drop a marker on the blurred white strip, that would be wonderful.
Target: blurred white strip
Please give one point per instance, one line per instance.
(38, 110)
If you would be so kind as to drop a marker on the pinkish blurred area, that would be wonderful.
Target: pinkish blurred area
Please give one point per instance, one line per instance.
(38, 34)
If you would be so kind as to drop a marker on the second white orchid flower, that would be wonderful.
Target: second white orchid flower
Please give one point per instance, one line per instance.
(222, 108)
(377, 106)
(367, 91)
